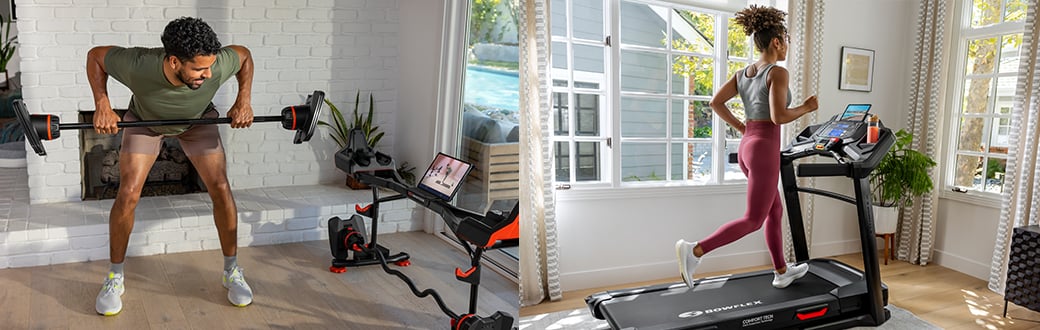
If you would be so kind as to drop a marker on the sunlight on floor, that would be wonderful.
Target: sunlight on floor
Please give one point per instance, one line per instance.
(981, 306)
(574, 318)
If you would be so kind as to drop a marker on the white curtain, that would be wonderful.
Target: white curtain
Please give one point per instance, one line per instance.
(915, 236)
(805, 25)
(539, 274)
(1020, 202)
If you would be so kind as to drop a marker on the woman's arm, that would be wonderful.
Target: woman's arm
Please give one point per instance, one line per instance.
(778, 110)
(718, 104)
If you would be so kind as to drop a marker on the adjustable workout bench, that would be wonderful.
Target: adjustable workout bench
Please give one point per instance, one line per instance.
(476, 233)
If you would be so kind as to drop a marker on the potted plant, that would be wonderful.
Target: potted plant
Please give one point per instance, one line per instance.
(7, 48)
(341, 128)
(900, 176)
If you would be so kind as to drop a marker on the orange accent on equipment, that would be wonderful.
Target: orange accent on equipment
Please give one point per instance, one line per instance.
(811, 315)
(403, 263)
(510, 231)
(459, 273)
(49, 128)
(359, 209)
(457, 324)
(293, 117)
(354, 247)
(335, 269)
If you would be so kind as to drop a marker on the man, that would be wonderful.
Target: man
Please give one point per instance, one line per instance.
(177, 81)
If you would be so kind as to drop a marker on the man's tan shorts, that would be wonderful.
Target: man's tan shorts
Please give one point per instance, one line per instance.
(197, 140)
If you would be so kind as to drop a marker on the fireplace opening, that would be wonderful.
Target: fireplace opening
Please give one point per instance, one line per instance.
(172, 173)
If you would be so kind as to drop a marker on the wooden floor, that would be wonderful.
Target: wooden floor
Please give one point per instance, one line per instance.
(291, 283)
(944, 297)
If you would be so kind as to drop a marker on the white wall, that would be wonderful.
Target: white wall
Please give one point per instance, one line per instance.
(335, 46)
(419, 47)
(965, 235)
(628, 235)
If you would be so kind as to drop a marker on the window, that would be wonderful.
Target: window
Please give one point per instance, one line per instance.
(632, 109)
(484, 103)
(990, 38)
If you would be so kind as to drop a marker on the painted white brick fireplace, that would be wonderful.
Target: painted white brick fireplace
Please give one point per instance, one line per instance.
(285, 192)
(298, 47)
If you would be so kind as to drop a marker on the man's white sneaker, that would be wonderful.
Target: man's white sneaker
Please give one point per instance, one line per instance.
(108, 301)
(795, 272)
(239, 293)
(687, 261)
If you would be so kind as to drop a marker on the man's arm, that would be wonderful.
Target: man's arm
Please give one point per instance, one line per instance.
(104, 118)
(241, 112)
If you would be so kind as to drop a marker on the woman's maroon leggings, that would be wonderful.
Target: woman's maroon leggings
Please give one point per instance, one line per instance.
(759, 159)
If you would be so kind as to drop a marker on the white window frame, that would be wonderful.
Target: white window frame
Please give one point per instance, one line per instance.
(610, 169)
(452, 74)
(955, 92)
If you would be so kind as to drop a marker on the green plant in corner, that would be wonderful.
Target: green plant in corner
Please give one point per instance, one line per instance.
(341, 127)
(902, 174)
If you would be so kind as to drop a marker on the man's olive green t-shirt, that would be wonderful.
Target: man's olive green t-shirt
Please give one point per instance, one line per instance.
(154, 97)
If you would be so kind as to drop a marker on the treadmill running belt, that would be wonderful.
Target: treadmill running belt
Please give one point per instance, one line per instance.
(745, 300)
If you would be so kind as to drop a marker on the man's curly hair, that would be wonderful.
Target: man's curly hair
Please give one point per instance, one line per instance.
(763, 23)
(187, 37)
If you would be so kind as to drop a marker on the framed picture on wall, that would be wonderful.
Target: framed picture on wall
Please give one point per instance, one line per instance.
(857, 69)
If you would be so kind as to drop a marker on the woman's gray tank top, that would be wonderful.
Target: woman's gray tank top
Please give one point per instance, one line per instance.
(754, 92)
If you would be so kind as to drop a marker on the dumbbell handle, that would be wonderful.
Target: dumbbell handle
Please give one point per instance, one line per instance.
(168, 122)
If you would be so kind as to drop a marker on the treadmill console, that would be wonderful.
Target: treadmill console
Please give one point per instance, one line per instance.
(841, 129)
(843, 140)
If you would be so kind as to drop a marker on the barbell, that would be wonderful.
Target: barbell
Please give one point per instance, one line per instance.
(300, 118)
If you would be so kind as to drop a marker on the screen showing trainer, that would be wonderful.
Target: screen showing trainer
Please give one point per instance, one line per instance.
(444, 177)
(855, 112)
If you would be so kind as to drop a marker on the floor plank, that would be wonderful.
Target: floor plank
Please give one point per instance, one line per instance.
(15, 288)
(291, 282)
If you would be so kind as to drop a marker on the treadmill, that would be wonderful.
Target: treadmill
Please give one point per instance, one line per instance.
(832, 295)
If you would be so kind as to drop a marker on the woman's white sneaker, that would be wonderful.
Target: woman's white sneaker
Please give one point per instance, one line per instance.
(795, 272)
(687, 261)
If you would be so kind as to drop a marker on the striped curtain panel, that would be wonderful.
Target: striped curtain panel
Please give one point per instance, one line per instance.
(539, 274)
(915, 238)
(1019, 206)
(805, 25)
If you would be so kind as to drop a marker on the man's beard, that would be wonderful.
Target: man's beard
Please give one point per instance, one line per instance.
(188, 83)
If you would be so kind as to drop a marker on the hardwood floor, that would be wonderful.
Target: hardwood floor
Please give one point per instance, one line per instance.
(944, 297)
(291, 282)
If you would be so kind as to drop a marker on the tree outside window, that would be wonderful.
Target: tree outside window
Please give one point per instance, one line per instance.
(983, 112)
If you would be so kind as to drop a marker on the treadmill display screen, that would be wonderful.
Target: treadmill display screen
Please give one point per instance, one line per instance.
(855, 112)
(838, 129)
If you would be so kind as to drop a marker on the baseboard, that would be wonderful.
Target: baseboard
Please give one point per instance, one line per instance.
(836, 248)
(657, 271)
(961, 264)
(596, 278)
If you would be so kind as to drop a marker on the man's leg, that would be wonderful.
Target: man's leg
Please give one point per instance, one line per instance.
(203, 147)
(133, 171)
(212, 168)
(137, 154)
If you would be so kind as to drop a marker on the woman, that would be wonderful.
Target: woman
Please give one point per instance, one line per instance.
(763, 89)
